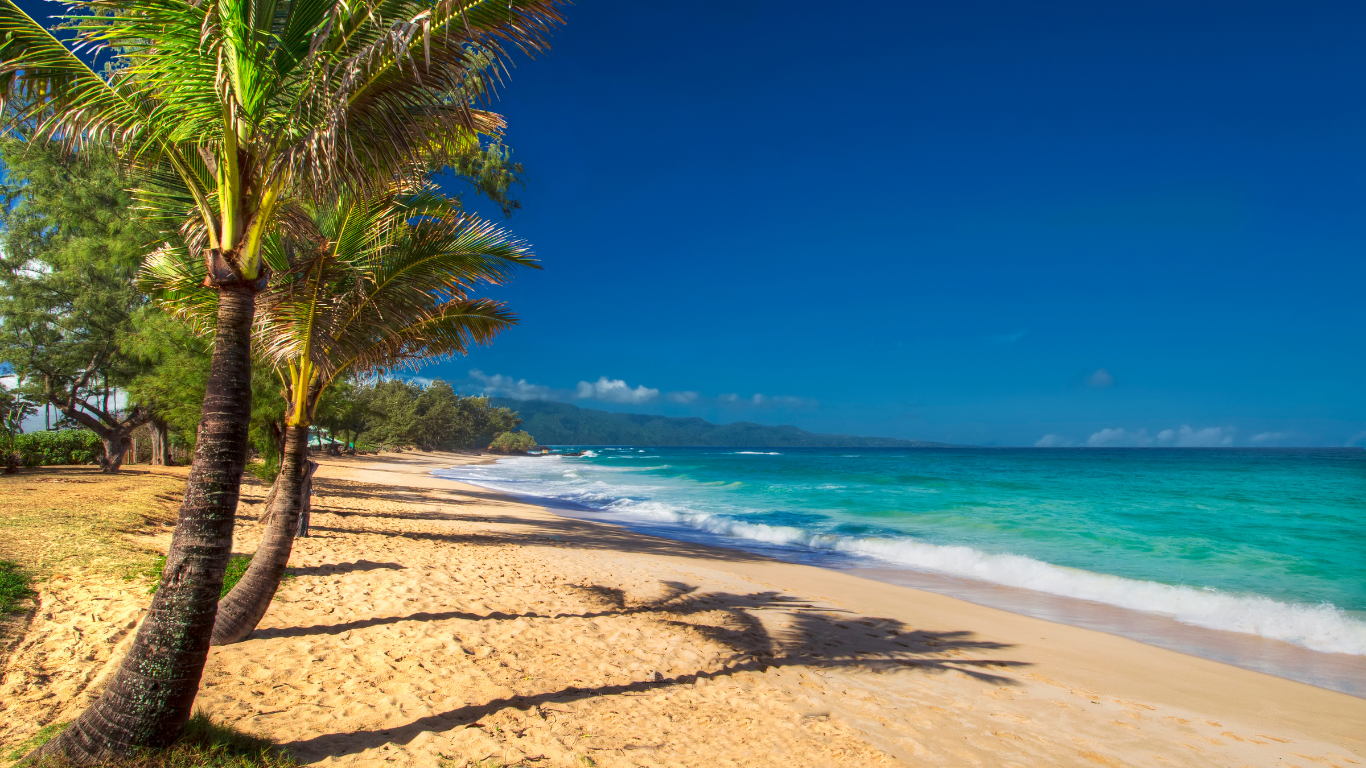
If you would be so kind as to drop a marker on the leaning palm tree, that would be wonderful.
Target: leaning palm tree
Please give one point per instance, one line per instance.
(382, 284)
(242, 107)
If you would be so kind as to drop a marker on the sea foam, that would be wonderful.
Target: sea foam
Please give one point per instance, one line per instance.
(1324, 627)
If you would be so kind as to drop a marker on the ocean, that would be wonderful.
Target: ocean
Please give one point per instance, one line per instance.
(1264, 543)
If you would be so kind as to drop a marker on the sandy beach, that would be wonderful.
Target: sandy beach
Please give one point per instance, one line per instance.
(433, 623)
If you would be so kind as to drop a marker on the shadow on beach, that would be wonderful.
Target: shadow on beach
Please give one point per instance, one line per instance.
(810, 637)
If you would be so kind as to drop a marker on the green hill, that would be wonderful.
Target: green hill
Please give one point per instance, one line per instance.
(564, 424)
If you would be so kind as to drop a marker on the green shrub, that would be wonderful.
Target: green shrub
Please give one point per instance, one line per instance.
(67, 446)
(512, 442)
(14, 587)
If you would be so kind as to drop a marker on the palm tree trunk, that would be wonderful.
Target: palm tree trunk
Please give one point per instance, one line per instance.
(149, 699)
(241, 609)
(306, 498)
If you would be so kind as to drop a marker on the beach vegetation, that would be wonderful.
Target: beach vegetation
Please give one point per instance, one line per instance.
(203, 744)
(14, 408)
(14, 586)
(432, 417)
(231, 115)
(70, 255)
(56, 448)
(512, 442)
(56, 521)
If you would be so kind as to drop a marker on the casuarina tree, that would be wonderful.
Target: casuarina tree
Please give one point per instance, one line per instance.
(231, 112)
(381, 284)
(69, 255)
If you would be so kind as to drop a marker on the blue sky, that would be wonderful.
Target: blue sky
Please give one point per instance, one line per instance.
(974, 222)
(988, 223)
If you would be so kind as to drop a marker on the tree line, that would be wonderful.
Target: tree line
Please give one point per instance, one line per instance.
(240, 224)
(80, 336)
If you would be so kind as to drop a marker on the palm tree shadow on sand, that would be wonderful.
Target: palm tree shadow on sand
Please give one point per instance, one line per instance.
(796, 634)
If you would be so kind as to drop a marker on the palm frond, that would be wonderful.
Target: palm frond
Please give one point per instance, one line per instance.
(388, 286)
(47, 86)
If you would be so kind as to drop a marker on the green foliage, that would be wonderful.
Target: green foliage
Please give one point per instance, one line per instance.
(344, 410)
(175, 370)
(67, 446)
(14, 407)
(204, 744)
(512, 442)
(14, 586)
(265, 470)
(69, 252)
(432, 417)
(237, 566)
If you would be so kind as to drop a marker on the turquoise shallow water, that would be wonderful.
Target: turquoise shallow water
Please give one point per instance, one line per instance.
(1267, 542)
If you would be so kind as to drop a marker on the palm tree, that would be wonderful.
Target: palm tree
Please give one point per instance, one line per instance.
(233, 109)
(381, 284)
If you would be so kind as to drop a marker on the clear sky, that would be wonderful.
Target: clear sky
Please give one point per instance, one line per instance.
(974, 222)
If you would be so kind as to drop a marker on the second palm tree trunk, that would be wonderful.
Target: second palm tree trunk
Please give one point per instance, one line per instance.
(149, 699)
(241, 609)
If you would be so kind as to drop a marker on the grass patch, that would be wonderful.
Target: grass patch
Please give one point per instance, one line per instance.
(36, 740)
(14, 586)
(265, 471)
(237, 567)
(55, 518)
(205, 744)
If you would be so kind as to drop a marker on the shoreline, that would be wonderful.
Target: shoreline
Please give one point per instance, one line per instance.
(1341, 672)
(1075, 656)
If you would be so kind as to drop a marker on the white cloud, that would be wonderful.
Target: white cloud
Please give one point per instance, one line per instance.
(1052, 441)
(1354, 439)
(615, 391)
(1186, 437)
(1106, 437)
(1209, 437)
(1010, 338)
(1268, 437)
(787, 401)
(505, 386)
(1101, 379)
(731, 398)
(682, 397)
(759, 399)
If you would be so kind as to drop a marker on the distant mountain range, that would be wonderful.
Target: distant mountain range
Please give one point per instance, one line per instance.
(564, 424)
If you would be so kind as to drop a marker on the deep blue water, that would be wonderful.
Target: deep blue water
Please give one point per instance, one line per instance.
(1269, 542)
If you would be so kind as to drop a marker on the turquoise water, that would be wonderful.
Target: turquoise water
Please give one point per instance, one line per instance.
(1268, 542)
